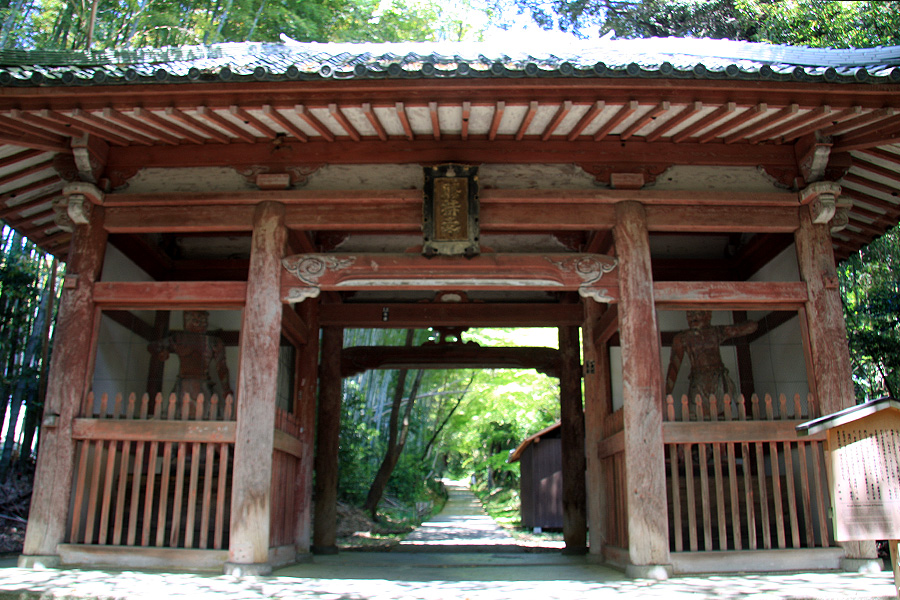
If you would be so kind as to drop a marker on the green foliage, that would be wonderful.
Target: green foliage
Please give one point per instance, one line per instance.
(64, 25)
(870, 288)
(25, 272)
(816, 23)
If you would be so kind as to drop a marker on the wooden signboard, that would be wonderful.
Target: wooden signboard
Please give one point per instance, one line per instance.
(862, 457)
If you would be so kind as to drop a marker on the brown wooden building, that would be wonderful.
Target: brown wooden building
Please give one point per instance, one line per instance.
(281, 188)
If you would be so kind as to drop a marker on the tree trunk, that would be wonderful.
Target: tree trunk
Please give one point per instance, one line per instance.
(396, 437)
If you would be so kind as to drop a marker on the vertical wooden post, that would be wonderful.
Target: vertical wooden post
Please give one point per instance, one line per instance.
(248, 549)
(67, 384)
(828, 342)
(597, 406)
(327, 442)
(572, 432)
(305, 409)
(645, 477)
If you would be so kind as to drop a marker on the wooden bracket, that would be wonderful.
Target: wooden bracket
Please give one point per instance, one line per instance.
(90, 154)
(813, 152)
(826, 205)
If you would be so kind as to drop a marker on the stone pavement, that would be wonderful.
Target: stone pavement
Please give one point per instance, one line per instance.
(431, 567)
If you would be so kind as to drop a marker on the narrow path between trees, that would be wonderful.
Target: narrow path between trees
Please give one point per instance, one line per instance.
(462, 525)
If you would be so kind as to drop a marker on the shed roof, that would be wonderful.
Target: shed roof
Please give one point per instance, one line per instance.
(516, 454)
(848, 415)
(675, 58)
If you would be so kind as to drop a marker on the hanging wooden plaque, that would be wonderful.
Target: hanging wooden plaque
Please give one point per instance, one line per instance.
(450, 211)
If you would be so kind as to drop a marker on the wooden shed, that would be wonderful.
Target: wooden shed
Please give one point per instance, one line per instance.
(540, 478)
(289, 191)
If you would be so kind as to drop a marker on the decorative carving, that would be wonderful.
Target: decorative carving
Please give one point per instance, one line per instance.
(822, 199)
(61, 214)
(85, 190)
(813, 152)
(308, 268)
(78, 209)
(841, 217)
(590, 268)
(300, 174)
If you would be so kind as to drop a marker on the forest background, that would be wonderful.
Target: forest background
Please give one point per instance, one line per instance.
(401, 428)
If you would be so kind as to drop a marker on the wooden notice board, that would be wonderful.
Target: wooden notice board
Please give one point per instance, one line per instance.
(863, 461)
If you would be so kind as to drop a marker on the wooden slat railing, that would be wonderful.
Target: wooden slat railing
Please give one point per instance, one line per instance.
(741, 479)
(156, 476)
(613, 460)
(285, 471)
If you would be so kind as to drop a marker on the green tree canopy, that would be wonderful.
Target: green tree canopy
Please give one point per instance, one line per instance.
(816, 23)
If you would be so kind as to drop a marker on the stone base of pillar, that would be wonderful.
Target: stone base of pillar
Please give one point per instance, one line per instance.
(861, 565)
(574, 551)
(247, 569)
(656, 572)
(39, 561)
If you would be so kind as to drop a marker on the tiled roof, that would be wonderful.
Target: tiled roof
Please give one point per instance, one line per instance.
(677, 58)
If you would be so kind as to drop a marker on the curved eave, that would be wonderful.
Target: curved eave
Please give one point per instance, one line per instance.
(620, 121)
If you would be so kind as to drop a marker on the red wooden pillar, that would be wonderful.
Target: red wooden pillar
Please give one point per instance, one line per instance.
(327, 442)
(305, 409)
(828, 342)
(66, 387)
(248, 550)
(645, 478)
(572, 433)
(597, 407)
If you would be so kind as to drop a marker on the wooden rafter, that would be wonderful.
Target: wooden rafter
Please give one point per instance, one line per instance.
(832, 119)
(499, 108)
(686, 113)
(435, 120)
(736, 121)
(704, 122)
(527, 119)
(786, 112)
(338, 115)
(404, 121)
(375, 121)
(213, 117)
(659, 109)
(790, 125)
(623, 113)
(286, 125)
(304, 113)
(194, 123)
(115, 129)
(169, 126)
(140, 126)
(561, 114)
(251, 121)
(466, 115)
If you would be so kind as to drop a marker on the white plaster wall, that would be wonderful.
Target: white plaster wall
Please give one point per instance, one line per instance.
(122, 361)
(711, 178)
(781, 268)
(779, 364)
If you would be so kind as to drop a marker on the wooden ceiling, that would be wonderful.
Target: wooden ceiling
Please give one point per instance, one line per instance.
(607, 126)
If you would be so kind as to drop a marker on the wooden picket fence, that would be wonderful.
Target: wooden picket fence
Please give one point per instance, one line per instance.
(285, 480)
(153, 474)
(614, 475)
(739, 478)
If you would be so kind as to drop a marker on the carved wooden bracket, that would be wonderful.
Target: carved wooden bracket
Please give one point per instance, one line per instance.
(826, 205)
(74, 208)
(309, 274)
(90, 154)
(813, 153)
